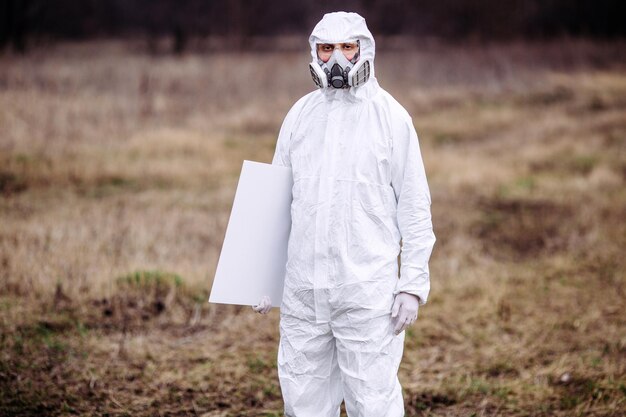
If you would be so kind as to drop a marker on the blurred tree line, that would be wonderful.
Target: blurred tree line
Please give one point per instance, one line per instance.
(22, 21)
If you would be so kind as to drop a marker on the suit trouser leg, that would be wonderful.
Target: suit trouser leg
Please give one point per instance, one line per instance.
(369, 355)
(307, 369)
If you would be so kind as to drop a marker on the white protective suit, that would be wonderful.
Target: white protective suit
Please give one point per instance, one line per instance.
(359, 187)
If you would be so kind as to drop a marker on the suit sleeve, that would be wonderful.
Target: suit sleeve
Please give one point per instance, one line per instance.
(413, 210)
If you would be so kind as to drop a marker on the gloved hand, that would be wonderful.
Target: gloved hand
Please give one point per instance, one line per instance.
(404, 311)
(264, 306)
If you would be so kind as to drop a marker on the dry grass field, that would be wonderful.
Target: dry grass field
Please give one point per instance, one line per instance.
(118, 170)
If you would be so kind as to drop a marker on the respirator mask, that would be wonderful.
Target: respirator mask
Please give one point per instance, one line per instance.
(339, 72)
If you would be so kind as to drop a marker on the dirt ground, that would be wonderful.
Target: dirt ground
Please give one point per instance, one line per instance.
(117, 174)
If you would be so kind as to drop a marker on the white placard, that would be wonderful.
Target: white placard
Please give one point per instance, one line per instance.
(254, 254)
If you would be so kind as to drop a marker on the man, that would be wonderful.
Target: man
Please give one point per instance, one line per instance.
(359, 188)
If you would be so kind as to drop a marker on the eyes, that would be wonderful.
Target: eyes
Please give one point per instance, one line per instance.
(329, 47)
(325, 50)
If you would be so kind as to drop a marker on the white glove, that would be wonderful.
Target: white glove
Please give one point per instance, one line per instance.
(264, 306)
(404, 311)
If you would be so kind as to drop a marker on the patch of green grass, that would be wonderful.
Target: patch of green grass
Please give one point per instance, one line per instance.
(478, 386)
(568, 164)
(6, 303)
(526, 183)
(446, 139)
(55, 344)
(231, 143)
(501, 368)
(522, 185)
(428, 400)
(271, 391)
(66, 408)
(569, 401)
(580, 389)
(22, 158)
(201, 295)
(553, 96)
(83, 331)
(502, 392)
(596, 362)
(116, 181)
(106, 186)
(583, 164)
(145, 278)
(43, 333)
(257, 365)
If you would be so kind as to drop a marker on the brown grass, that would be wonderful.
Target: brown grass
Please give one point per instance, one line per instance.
(117, 171)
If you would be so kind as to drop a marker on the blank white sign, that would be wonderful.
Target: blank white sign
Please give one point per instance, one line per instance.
(254, 254)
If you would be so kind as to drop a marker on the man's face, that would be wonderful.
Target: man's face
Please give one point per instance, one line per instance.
(325, 50)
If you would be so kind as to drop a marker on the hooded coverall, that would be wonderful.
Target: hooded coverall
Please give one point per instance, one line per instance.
(359, 188)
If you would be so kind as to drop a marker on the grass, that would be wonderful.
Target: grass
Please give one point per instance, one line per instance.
(118, 169)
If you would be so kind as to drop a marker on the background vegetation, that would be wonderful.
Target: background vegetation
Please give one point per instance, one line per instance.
(24, 23)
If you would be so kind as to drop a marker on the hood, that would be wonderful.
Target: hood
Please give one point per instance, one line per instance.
(339, 27)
